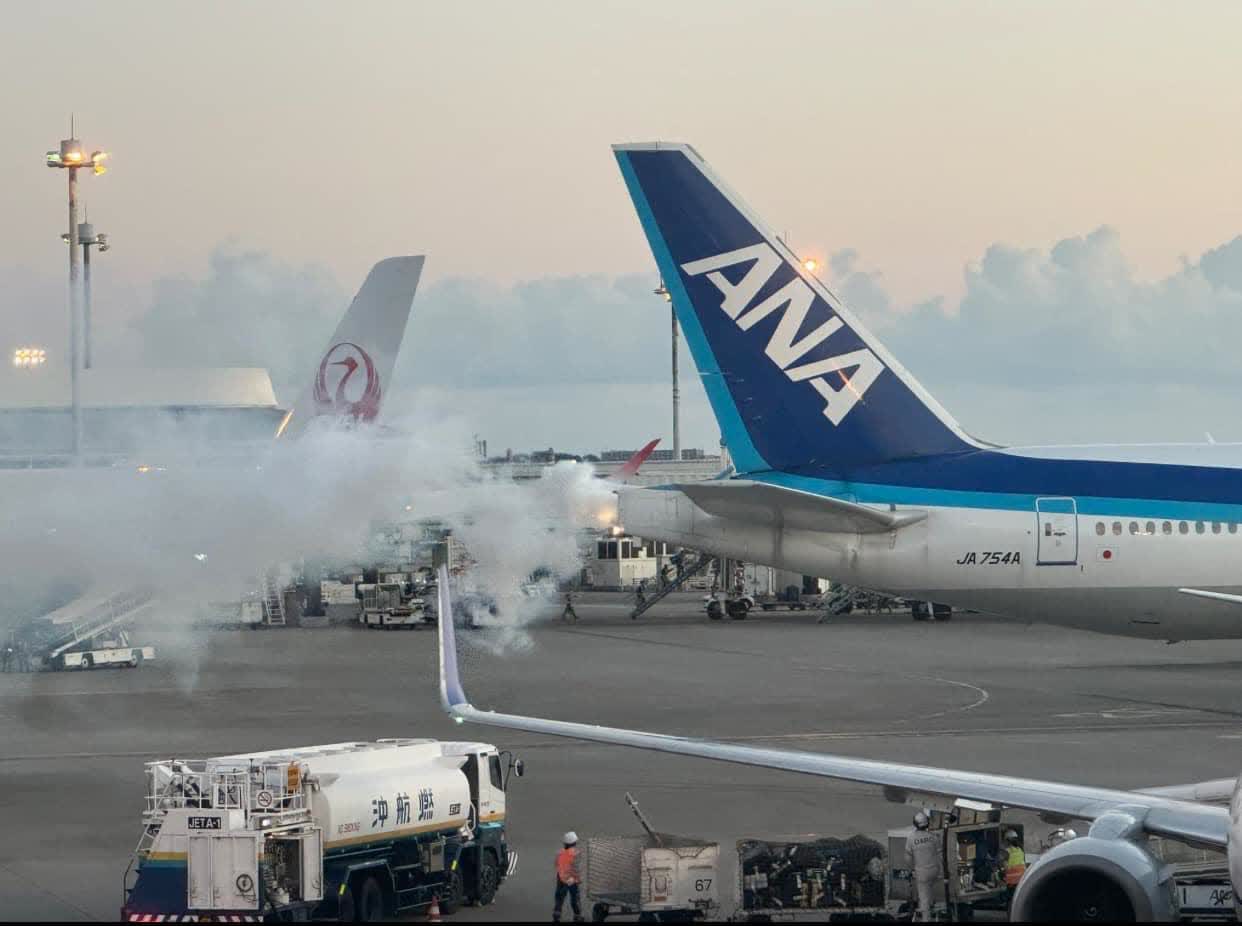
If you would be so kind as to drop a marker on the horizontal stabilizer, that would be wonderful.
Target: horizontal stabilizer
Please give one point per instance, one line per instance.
(759, 502)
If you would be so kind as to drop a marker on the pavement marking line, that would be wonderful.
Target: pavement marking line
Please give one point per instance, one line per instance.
(982, 692)
(1223, 712)
(978, 731)
(800, 665)
(1128, 713)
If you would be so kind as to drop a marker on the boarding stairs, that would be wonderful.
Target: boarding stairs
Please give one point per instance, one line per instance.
(273, 601)
(689, 570)
(90, 616)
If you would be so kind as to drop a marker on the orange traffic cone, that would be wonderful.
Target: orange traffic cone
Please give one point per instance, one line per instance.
(433, 912)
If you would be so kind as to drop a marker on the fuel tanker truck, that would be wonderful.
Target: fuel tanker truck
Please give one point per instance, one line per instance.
(348, 831)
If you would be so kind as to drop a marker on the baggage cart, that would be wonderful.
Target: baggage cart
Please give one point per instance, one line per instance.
(812, 878)
(655, 875)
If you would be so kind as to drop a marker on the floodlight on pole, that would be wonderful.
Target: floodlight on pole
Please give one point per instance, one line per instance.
(662, 290)
(70, 156)
(27, 358)
(88, 238)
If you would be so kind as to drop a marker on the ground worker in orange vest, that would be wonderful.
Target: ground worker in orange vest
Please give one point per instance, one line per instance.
(1015, 861)
(567, 878)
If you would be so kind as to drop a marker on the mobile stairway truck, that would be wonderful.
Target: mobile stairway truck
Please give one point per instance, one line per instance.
(348, 831)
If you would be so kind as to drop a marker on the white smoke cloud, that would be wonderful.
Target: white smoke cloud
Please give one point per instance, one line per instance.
(248, 309)
(1070, 343)
(198, 533)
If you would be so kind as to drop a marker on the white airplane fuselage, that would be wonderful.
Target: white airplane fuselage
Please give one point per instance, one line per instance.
(1108, 564)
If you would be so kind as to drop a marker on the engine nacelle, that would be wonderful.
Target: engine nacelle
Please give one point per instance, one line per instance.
(1100, 877)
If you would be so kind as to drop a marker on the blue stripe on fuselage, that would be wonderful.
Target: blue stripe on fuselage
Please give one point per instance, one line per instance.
(1007, 482)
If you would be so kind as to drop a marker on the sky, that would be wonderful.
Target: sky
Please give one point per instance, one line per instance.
(1035, 205)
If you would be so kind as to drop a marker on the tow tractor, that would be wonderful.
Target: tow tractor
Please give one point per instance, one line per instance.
(345, 831)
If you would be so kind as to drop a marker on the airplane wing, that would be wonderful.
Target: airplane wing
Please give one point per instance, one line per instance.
(1216, 791)
(760, 502)
(1214, 596)
(1198, 824)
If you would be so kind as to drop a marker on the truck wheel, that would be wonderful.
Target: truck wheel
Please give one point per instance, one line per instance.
(738, 612)
(489, 880)
(599, 913)
(136, 659)
(451, 902)
(714, 611)
(371, 902)
(88, 661)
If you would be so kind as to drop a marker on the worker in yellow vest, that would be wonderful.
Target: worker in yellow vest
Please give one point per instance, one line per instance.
(1015, 861)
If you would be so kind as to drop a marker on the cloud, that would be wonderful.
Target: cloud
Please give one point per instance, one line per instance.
(588, 329)
(1075, 332)
(1065, 342)
(249, 309)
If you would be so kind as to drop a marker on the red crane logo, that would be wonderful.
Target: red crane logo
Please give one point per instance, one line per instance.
(339, 392)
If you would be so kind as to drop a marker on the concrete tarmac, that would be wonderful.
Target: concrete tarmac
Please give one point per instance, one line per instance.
(977, 693)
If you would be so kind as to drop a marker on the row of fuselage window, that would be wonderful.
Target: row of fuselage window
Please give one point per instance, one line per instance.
(1166, 527)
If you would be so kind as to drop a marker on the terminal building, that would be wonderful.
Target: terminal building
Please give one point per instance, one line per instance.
(128, 410)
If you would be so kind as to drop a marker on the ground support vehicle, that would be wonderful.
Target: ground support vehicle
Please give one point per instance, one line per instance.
(109, 648)
(653, 876)
(974, 861)
(1202, 887)
(388, 607)
(92, 632)
(811, 878)
(345, 831)
(1204, 893)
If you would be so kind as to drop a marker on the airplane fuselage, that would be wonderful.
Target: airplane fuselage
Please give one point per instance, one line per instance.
(1094, 537)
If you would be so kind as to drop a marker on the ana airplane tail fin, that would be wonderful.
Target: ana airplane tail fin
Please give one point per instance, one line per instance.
(794, 379)
(356, 367)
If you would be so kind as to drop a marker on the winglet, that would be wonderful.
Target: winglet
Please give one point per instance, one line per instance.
(452, 695)
(630, 468)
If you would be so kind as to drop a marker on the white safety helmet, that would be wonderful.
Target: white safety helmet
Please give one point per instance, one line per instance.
(1058, 836)
(1011, 836)
(920, 820)
(570, 838)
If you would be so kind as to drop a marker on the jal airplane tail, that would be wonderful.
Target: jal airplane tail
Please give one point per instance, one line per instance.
(356, 367)
(795, 381)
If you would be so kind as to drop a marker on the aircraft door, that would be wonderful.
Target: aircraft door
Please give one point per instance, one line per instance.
(1057, 523)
